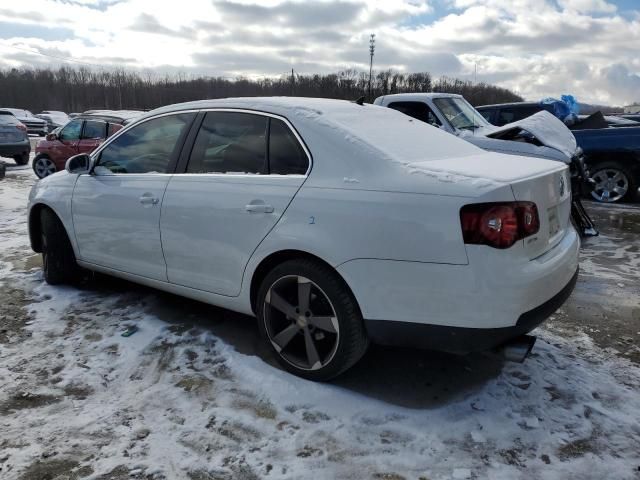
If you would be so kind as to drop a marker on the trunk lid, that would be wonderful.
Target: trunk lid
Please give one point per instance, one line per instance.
(544, 182)
(551, 192)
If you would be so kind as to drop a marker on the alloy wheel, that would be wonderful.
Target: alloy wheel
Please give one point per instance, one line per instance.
(44, 166)
(610, 185)
(301, 322)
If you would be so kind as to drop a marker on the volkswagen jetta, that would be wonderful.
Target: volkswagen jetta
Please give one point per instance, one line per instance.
(334, 223)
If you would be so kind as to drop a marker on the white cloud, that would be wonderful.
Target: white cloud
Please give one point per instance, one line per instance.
(537, 47)
(587, 6)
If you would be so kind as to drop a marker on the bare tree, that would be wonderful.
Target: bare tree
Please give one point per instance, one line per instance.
(76, 90)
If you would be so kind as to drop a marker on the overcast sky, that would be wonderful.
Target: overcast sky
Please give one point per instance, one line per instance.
(538, 48)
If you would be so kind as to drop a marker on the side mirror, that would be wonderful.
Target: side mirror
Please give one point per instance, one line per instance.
(78, 164)
(51, 136)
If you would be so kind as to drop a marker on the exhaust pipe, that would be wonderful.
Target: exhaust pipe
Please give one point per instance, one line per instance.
(518, 349)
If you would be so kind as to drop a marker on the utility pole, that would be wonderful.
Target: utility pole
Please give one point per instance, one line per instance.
(293, 82)
(372, 49)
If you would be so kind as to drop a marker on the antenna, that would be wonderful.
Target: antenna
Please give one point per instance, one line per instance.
(372, 49)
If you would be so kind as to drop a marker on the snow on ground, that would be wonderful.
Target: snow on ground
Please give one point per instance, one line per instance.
(184, 399)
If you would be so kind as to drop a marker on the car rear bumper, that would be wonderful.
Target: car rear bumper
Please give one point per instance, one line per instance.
(493, 296)
(460, 339)
(11, 149)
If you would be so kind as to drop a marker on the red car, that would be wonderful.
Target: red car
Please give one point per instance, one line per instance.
(83, 134)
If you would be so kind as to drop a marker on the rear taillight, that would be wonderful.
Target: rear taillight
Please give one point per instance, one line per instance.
(499, 224)
(21, 126)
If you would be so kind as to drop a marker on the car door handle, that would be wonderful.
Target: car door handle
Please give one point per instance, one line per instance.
(149, 200)
(258, 208)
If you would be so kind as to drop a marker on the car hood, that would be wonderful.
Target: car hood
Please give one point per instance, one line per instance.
(31, 119)
(548, 129)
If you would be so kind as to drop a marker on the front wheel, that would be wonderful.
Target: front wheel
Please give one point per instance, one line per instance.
(43, 166)
(311, 320)
(58, 260)
(612, 182)
(21, 159)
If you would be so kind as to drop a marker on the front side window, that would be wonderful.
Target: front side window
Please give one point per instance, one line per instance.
(71, 131)
(417, 110)
(286, 156)
(94, 129)
(146, 148)
(230, 142)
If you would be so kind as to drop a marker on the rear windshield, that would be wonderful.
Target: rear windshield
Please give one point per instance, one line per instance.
(7, 118)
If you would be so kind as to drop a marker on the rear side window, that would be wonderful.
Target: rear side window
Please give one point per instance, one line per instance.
(146, 148)
(487, 114)
(94, 129)
(418, 110)
(286, 156)
(71, 131)
(508, 115)
(113, 128)
(230, 142)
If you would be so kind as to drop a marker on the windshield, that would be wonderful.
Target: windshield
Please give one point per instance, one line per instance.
(460, 114)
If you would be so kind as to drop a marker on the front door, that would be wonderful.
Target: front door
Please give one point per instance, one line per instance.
(243, 172)
(67, 143)
(116, 209)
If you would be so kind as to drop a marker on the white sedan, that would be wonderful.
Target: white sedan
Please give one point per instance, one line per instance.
(334, 223)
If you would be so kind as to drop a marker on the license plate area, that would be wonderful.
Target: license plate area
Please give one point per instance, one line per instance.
(554, 221)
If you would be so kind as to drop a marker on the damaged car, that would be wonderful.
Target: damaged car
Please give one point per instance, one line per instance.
(611, 152)
(335, 224)
(541, 136)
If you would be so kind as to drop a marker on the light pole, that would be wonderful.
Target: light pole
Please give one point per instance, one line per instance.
(372, 49)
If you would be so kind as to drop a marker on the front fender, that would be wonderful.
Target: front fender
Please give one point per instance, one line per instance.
(53, 192)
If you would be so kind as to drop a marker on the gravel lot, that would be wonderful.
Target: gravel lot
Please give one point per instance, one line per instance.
(192, 395)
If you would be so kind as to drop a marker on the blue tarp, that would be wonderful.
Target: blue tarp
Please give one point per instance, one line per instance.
(566, 109)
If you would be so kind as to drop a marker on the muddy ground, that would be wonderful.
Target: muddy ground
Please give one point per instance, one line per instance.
(194, 395)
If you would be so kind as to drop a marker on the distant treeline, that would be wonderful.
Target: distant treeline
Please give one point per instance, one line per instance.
(79, 89)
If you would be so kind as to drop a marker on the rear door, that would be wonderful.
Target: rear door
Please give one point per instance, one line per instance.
(116, 209)
(242, 173)
(93, 134)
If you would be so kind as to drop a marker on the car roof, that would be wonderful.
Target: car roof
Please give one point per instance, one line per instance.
(420, 96)
(341, 121)
(14, 110)
(114, 116)
(511, 104)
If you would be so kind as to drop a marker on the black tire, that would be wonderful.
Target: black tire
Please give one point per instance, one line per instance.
(58, 260)
(21, 159)
(352, 341)
(632, 183)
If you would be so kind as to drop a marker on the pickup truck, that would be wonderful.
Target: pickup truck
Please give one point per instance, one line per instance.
(541, 135)
(612, 155)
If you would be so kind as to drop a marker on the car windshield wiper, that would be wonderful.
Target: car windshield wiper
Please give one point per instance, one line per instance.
(469, 127)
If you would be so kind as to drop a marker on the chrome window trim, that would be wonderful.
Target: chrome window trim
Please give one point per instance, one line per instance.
(94, 155)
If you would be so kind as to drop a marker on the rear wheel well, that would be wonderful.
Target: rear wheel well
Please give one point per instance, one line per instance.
(271, 261)
(627, 160)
